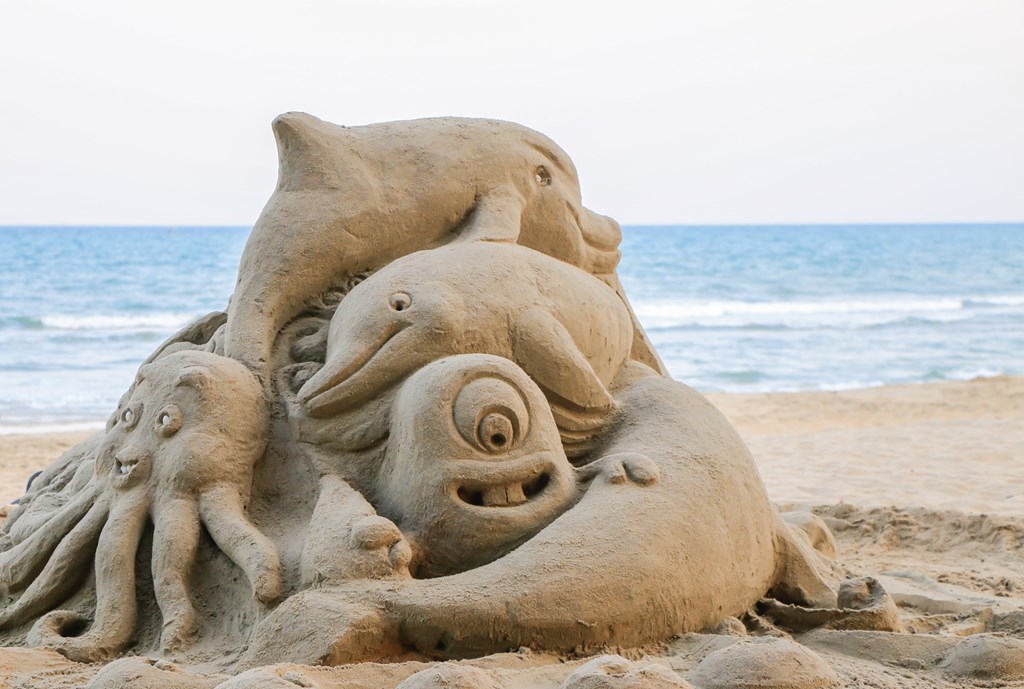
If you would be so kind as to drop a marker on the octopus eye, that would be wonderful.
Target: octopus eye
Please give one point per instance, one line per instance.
(130, 416)
(400, 301)
(541, 176)
(169, 420)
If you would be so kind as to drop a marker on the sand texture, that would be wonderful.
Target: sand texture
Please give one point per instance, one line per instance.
(950, 552)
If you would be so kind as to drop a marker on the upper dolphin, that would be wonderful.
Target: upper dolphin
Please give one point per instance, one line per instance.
(351, 199)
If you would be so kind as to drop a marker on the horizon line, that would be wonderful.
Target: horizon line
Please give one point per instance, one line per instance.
(185, 226)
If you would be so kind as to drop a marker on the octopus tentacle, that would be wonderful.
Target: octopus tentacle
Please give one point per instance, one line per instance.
(63, 570)
(223, 512)
(115, 582)
(68, 479)
(175, 540)
(27, 558)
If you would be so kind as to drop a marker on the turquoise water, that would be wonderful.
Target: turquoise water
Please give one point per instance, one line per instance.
(729, 308)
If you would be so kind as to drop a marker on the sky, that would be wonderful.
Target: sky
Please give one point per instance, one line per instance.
(679, 112)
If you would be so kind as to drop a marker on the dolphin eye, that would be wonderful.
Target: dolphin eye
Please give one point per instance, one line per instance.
(169, 420)
(541, 176)
(400, 301)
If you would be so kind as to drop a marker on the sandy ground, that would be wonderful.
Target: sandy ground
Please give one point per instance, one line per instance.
(957, 446)
(921, 485)
(948, 446)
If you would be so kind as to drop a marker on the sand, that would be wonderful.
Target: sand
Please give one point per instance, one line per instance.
(941, 446)
(923, 486)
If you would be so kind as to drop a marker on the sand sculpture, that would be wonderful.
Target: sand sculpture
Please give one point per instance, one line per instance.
(180, 452)
(428, 422)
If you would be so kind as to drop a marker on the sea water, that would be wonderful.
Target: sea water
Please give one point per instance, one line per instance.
(747, 309)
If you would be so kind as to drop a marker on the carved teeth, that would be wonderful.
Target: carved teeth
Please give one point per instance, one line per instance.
(507, 495)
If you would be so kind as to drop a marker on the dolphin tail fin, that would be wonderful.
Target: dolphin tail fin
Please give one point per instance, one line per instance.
(799, 579)
(308, 150)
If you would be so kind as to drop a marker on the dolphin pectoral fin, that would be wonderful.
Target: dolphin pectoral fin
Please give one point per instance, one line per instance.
(497, 216)
(547, 352)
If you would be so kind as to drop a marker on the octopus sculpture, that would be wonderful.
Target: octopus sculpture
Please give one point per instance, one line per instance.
(180, 452)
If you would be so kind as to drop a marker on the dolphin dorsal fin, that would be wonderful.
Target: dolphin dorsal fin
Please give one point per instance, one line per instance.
(308, 151)
(497, 216)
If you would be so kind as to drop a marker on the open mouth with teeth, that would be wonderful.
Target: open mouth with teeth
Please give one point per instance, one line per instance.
(505, 494)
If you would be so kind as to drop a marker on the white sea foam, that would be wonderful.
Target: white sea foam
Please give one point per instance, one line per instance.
(149, 321)
(43, 428)
(837, 313)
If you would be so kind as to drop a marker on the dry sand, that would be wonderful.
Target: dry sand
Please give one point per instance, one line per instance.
(943, 446)
(921, 484)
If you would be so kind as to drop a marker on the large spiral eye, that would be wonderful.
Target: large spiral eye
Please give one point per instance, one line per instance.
(491, 415)
(496, 432)
(169, 420)
(541, 176)
(400, 301)
(130, 416)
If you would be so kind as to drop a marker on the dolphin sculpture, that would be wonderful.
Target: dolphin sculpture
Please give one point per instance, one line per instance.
(567, 329)
(351, 199)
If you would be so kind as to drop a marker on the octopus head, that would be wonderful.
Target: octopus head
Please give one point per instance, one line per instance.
(181, 405)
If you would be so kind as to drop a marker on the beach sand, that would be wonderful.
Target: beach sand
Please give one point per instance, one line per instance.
(921, 484)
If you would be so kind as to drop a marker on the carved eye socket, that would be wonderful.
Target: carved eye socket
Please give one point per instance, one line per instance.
(169, 420)
(400, 301)
(496, 432)
(491, 415)
(130, 416)
(541, 176)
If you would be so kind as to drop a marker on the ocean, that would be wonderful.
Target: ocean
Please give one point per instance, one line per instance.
(738, 309)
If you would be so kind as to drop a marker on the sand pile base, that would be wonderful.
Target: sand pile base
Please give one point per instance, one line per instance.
(956, 579)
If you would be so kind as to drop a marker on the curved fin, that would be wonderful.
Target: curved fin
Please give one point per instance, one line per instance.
(799, 579)
(497, 216)
(307, 148)
(547, 352)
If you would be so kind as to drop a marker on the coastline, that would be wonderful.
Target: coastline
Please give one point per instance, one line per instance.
(940, 446)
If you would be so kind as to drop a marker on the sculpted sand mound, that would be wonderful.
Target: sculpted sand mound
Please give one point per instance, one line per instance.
(987, 656)
(615, 672)
(766, 663)
(447, 676)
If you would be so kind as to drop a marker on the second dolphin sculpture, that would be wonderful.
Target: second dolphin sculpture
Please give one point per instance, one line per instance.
(568, 330)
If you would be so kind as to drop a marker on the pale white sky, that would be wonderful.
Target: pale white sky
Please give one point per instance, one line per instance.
(720, 111)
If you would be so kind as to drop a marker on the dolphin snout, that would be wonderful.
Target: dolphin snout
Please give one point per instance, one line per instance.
(346, 378)
(600, 231)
